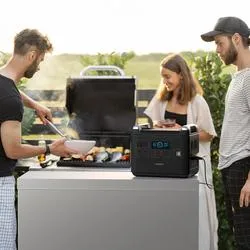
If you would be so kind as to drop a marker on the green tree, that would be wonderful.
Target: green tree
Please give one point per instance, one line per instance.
(116, 59)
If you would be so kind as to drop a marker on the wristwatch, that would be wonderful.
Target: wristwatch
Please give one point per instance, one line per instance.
(47, 151)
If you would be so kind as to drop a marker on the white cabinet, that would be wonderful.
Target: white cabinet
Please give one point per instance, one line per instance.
(106, 210)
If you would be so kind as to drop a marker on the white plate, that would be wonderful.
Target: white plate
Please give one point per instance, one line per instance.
(81, 146)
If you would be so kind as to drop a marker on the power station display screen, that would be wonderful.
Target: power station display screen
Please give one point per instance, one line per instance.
(159, 145)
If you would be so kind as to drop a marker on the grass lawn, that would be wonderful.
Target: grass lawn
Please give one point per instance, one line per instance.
(55, 70)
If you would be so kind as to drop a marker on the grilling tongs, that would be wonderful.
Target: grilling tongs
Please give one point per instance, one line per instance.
(56, 130)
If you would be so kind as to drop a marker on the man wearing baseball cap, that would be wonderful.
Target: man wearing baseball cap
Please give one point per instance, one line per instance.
(231, 36)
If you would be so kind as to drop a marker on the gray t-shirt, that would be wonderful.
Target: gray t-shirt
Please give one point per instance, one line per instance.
(235, 134)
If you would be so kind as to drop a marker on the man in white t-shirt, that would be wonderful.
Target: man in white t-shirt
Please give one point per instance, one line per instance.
(231, 36)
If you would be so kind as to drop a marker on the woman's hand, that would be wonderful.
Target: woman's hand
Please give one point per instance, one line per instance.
(176, 125)
(204, 136)
(157, 125)
(167, 124)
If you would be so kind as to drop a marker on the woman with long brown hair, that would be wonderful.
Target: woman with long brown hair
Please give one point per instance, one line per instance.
(179, 97)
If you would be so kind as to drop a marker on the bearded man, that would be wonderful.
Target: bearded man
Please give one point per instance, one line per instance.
(30, 47)
(231, 36)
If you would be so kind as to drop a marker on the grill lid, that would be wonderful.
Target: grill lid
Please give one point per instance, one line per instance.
(101, 104)
(102, 107)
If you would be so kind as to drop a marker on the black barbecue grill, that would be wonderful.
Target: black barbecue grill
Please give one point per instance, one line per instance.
(101, 108)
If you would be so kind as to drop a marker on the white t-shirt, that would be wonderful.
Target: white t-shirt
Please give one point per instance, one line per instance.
(235, 133)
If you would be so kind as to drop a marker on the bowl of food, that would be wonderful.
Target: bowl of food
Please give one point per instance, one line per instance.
(80, 146)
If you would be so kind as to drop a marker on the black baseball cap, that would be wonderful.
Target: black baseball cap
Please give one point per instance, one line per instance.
(227, 25)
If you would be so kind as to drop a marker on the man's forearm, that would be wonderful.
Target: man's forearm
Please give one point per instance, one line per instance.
(27, 101)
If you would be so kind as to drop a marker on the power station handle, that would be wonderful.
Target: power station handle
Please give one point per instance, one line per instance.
(102, 68)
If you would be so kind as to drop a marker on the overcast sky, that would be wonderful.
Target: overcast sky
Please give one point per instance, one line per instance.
(144, 26)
